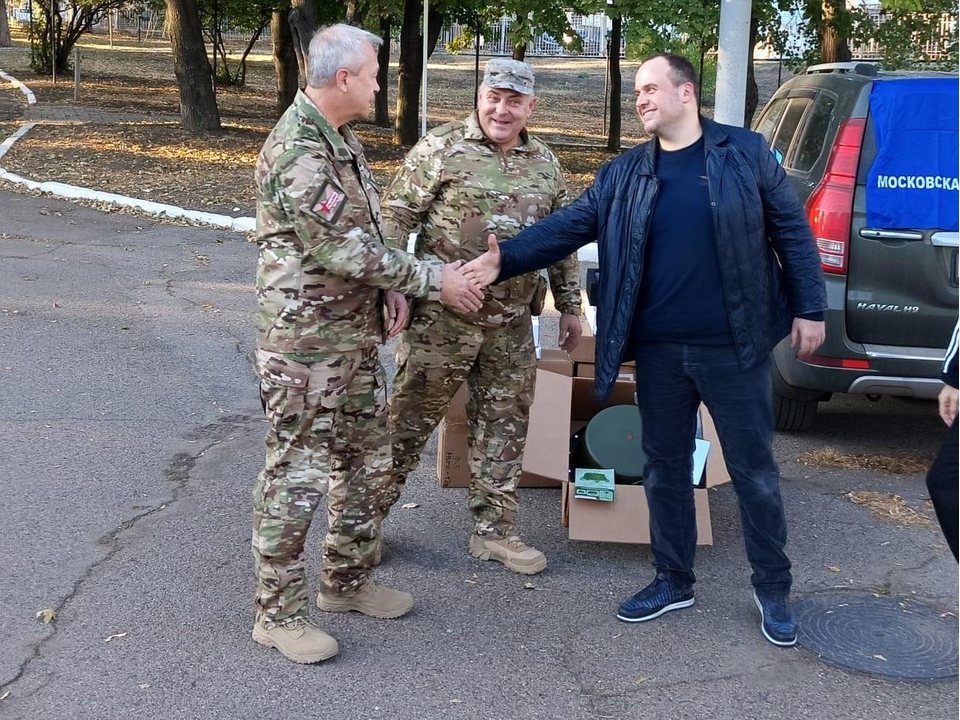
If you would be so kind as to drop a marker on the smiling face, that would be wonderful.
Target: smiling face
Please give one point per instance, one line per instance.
(503, 114)
(660, 103)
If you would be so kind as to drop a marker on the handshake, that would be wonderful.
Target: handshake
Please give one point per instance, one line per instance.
(462, 284)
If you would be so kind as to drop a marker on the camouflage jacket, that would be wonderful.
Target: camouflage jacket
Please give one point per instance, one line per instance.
(323, 264)
(455, 187)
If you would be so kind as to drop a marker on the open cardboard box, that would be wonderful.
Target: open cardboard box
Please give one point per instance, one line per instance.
(627, 518)
(545, 456)
(562, 405)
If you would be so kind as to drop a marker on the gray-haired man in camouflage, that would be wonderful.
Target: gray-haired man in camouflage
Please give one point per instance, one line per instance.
(322, 273)
(461, 182)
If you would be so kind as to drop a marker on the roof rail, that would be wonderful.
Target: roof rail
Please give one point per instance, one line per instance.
(858, 68)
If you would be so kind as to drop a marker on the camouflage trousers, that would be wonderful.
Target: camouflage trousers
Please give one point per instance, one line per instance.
(436, 355)
(328, 434)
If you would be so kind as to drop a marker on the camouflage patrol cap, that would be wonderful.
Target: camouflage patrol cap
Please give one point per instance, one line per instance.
(509, 74)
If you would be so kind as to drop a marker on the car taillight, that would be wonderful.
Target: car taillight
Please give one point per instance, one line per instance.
(830, 207)
(850, 364)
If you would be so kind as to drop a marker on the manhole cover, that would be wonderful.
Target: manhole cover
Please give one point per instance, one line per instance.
(883, 635)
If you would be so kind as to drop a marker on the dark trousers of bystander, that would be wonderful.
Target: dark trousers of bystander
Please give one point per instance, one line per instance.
(943, 483)
(672, 379)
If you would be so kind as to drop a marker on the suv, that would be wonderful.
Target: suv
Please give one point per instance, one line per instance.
(891, 291)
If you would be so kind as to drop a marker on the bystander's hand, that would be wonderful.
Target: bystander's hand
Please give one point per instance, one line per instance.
(570, 332)
(485, 269)
(398, 312)
(807, 335)
(457, 292)
(948, 404)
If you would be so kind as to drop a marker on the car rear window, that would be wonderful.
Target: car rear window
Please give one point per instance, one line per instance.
(768, 122)
(811, 146)
(788, 128)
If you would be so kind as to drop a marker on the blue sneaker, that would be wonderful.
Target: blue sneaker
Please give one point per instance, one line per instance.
(654, 600)
(777, 622)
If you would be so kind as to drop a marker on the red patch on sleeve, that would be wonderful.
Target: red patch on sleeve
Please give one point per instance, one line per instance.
(329, 201)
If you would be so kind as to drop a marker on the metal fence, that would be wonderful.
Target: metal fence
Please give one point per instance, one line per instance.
(592, 30)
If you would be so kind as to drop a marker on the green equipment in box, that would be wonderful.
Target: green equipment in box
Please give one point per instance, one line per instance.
(612, 439)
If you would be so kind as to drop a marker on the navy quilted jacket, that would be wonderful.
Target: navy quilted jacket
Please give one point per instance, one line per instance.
(769, 264)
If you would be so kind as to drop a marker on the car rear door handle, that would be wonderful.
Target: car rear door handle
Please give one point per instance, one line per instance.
(873, 233)
(945, 239)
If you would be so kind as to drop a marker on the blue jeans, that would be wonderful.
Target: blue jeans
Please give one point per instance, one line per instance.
(672, 379)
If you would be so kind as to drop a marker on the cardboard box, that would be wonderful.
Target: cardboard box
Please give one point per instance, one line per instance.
(589, 370)
(561, 406)
(585, 349)
(545, 456)
(555, 361)
(627, 518)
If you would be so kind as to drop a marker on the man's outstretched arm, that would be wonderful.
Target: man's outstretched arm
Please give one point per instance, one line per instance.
(549, 241)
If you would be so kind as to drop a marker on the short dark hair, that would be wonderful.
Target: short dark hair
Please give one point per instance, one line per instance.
(681, 69)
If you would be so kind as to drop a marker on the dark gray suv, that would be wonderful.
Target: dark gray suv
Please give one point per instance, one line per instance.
(891, 291)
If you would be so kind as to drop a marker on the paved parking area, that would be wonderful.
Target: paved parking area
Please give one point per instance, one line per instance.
(133, 435)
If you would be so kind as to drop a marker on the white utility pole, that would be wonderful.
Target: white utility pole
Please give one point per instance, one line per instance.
(732, 61)
(423, 79)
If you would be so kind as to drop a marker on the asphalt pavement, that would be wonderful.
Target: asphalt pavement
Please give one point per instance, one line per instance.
(132, 438)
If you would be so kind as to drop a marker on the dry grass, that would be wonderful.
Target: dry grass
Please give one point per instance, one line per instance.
(897, 465)
(891, 508)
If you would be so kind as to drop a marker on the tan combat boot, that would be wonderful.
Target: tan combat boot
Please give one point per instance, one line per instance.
(510, 551)
(371, 599)
(297, 640)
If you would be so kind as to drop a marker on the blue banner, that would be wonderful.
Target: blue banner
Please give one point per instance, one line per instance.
(913, 182)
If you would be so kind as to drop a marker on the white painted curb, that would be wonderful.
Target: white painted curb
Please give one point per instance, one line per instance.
(31, 99)
(8, 143)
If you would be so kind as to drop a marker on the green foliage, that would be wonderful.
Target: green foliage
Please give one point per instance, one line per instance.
(74, 19)
(686, 27)
(905, 29)
(532, 18)
(246, 16)
(910, 30)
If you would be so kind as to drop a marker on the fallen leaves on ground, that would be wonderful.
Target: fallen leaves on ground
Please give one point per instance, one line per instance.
(159, 162)
(46, 616)
(890, 507)
(897, 465)
(410, 506)
(115, 636)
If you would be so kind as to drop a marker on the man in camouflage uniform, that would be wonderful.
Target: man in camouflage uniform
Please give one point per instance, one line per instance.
(461, 182)
(321, 277)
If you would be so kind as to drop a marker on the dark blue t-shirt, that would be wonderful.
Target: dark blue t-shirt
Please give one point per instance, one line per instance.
(681, 298)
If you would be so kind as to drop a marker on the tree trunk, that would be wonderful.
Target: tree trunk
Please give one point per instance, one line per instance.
(406, 129)
(613, 57)
(198, 104)
(520, 51)
(285, 65)
(303, 25)
(4, 26)
(753, 92)
(381, 106)
(833, 47)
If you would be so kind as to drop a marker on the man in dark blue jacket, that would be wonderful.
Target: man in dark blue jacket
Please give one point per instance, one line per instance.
(706, 262)
(942, 478)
